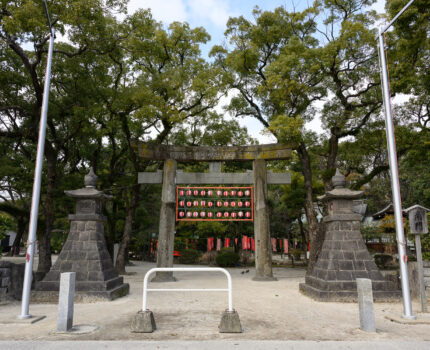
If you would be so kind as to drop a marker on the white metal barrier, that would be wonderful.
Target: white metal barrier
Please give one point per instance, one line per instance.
(187, 269)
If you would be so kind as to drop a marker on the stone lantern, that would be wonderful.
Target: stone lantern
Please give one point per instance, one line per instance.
(85, 250)
(344, 256)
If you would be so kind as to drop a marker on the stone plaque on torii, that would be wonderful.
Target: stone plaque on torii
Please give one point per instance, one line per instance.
(259, 178)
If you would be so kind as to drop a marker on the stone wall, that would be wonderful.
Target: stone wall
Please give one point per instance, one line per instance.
(11, 280)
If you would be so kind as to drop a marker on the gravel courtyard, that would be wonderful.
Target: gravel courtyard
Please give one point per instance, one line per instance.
(268, 311)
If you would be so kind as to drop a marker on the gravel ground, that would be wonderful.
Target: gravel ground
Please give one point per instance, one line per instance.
(268, 311)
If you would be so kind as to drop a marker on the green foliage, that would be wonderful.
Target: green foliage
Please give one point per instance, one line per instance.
(296, 253)
(383, 260)
(189, 256)
(227, 258)
(6, 224)
(369, 232)
(58, 238)
(425, 246)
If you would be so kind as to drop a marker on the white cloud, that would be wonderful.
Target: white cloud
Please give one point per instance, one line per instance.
(379, 6)
(216, 11)
(162, 10)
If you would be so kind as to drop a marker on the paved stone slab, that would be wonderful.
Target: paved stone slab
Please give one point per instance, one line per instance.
(215, 345)
(12, 319)
(421, 319)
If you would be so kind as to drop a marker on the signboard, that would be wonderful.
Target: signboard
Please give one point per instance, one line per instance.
(214, 203)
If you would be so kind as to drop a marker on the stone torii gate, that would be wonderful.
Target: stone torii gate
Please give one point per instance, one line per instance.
(170, 177)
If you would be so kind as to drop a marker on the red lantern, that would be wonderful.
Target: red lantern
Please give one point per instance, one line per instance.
(233, 193)
(240, 204)
(189, 192)
(210, 204)
(225, 193)
(247, 193)
(195, 214)
(196, 203)
(219, 204)
(210, 193)
(181, 214)
(218, 193)
(189, 214)
(210, 214)
(203, 203)
(226, 204)
(247, 204)
(219, 215)
(240, 193)
(226, 214)
(240, 214)
(189, 204)
(202, 193)
(233, 214)
(181, 203)
(233, 204)
(181, 193)
(202, 214)
(248, 214)
(196, 192)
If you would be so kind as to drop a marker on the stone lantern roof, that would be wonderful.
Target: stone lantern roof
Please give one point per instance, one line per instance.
(89, 191)
(339, 191)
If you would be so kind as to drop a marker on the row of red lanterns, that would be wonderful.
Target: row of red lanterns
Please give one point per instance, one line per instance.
(210, 193)
(210, 214)
(211, 204)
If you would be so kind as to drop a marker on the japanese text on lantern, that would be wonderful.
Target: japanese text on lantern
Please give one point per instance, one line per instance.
(214, 204)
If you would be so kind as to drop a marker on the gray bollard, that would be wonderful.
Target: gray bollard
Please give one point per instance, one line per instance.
(65, 302)
(365, 304)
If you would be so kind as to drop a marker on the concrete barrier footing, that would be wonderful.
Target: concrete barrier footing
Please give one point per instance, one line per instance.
(230, 322)
(143, 322)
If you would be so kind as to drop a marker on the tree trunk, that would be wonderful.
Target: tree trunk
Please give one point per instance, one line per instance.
(45, 262)
(128, 227)
(305, 238)
(316, 235)
(14, 250)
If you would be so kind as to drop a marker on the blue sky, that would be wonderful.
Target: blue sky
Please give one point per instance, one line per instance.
(213, 16)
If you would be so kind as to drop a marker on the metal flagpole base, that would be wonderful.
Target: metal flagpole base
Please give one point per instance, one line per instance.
(411, 317)
(23, 317)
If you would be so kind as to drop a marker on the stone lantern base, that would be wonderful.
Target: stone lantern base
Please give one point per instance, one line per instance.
(343, 258)
(86, 254)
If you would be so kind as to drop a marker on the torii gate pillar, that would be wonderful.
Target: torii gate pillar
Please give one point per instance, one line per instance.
(263, 252)
(166, 230)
